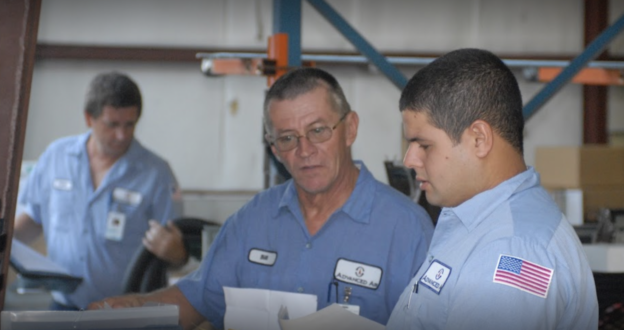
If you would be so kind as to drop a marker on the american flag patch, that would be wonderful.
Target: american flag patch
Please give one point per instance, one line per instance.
(523, 275)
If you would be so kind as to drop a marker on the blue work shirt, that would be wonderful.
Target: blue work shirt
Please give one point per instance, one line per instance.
(505, 259)
(266, 245)
(59, 195)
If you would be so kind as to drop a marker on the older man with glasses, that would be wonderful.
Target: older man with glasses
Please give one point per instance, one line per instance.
(332, 230)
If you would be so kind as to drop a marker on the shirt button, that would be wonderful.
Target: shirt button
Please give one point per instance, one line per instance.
(308, 245)
(299, 289)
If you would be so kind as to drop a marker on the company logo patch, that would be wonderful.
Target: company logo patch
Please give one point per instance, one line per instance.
(436, 276)
(358, 273)
(262, 257)
(126, 196)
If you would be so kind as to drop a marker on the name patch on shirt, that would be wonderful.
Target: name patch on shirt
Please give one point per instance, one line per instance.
(62, 184)
(126, 196)
(435, 277)
(262, 257)
(524, 275)
(358, 273)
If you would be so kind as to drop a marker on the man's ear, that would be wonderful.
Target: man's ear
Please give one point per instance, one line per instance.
(88, 119)
(351, 123)
(481, 137)
(276, 153)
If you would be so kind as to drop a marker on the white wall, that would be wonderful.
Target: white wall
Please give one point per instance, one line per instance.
(210, 128)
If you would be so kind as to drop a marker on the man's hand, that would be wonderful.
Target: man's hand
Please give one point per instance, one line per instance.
(166, 243)
(127, 301)
(189, 317)
(26, 229)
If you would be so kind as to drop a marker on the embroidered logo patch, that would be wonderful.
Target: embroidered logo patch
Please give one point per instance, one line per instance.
(435, 277)
(126, 196)
(524, 275)
(262, 257)
(358, 273)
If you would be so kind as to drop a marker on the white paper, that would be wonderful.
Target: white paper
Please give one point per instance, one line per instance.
(333, 317)
(258, 309)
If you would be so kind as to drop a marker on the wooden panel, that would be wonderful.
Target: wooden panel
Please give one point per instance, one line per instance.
(19, 21)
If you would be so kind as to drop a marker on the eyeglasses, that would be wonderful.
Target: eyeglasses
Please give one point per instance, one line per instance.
(314, 135)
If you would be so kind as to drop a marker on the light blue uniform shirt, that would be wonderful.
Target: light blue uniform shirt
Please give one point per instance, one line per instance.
(59, 195)
(457, 288)
(266, 245)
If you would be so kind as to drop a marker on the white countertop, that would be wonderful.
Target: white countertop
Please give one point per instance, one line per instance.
(605, 257)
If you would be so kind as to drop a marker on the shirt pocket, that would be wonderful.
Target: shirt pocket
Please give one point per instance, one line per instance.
(265, 276)
(372, 302)
(430, 307)
(63, 211)
(135, 224)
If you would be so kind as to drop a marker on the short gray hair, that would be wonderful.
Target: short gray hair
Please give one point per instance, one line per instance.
(112, 89)
(301, 81)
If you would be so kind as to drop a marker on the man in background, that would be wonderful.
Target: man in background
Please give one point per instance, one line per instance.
(100, 195)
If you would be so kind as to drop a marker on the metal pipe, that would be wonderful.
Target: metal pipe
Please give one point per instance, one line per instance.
(422, 61)
(591, 52)
(360, 43)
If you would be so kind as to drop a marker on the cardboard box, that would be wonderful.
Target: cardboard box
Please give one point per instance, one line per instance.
(583, 205)
(579, 167)
(597, 197)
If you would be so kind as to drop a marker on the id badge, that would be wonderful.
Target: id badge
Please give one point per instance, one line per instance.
(115, 225)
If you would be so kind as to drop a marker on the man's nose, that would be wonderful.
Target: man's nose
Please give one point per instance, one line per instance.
(122, 133)
(305, 147)
(412, 158)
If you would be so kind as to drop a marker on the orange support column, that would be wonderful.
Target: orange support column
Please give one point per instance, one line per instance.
(278, 51)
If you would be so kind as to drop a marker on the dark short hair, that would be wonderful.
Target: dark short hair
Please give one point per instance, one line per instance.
(301, 81)
(467, 85)
(112, 89)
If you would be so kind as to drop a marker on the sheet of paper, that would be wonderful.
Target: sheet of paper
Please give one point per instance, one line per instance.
(258, 309)
(333, 317)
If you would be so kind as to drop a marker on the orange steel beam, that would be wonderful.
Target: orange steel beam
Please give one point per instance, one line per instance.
(277, 51)
(245, 66)
(588, 76)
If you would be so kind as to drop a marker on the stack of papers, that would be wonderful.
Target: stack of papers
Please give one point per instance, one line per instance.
(333, 317)
(258, 309)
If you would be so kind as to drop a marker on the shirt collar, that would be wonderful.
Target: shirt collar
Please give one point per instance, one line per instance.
(131, 157)
(358, 206)
(474, 210)
(80, 144)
